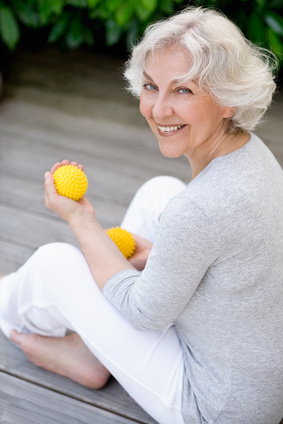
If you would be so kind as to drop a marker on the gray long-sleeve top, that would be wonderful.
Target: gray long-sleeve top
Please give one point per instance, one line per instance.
(216, 273)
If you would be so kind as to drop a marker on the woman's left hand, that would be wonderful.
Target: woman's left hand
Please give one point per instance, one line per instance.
(64, 207)
(143, 248)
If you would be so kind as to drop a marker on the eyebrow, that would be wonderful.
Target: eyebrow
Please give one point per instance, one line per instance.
(174, 81)
(148, 76)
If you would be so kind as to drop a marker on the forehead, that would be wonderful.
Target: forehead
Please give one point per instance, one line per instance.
(171, 62)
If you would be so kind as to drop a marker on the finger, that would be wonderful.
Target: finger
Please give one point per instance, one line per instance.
(80, 166)
(65, 162)
(56, 166)
(50, 190)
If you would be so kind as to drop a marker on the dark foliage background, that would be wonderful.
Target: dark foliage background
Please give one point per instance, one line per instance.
(113, 25)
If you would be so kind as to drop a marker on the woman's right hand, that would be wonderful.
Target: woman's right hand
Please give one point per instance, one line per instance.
(64, 207)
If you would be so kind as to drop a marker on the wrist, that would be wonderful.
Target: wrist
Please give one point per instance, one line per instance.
(81, 219)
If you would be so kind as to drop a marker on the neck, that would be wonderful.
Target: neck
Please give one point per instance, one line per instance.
(224, 145)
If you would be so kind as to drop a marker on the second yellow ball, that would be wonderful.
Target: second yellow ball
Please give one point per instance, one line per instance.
(123, 240)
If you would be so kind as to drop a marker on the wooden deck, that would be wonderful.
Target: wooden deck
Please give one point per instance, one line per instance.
(73, 106)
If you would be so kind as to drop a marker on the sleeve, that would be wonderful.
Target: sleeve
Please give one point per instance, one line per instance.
(184, 249)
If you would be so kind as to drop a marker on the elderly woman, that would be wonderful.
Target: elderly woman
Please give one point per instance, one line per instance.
(192, 325)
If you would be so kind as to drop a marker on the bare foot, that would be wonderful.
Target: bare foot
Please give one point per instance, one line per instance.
(67, 356)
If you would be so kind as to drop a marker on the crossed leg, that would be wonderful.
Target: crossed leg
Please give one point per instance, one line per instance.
(67, 356)
(54, 291)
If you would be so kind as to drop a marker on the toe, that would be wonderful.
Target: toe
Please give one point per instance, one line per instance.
(15, 337)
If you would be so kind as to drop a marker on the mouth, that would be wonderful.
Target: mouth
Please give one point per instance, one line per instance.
(169, 130)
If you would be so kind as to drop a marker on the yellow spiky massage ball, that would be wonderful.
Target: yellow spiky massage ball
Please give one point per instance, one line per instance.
(70, 181)
(123, 239)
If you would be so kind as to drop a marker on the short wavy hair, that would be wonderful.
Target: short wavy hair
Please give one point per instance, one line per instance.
(235, 72)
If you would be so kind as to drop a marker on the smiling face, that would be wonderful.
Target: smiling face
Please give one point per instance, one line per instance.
(185, 120)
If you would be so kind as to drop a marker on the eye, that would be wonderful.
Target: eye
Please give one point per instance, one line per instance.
(149, 87)
(184, 90)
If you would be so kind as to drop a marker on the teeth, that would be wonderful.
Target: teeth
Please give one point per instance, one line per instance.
(168, 129)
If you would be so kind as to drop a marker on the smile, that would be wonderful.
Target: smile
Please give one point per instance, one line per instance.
(170, 129)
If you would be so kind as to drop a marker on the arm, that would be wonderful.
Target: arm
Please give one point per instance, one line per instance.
(102, 255)
(185, 247)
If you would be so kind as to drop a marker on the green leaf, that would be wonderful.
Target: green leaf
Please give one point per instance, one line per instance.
(112, 5)
(275, 22)
(145, 8)
(77, 3)
(261, 3)
(256, 28)
(149, 5)
(92, 3)
(48, 8)
(59, 29)
(133, 28)
(142, 13)
(166, 6)
(275, 43)
(88, 37)
(124, 13)
(113, 32)
(101, 13)
(26, 14)
(74, 37)
(9, 28)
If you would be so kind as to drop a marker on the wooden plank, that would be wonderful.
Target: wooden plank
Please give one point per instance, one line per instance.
(25, 403)
(112, 397)
(77, 105)
(12, 256)
(76, 75)
(105, 146)
(28, 194)
(31, 230)
(92, 75)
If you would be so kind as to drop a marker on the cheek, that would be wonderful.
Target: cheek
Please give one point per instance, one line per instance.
(145, 107)
(205, 114)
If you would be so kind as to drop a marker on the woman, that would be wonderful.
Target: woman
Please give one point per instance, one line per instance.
(196, 337)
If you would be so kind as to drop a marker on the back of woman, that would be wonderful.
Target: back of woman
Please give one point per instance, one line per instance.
(231, 329)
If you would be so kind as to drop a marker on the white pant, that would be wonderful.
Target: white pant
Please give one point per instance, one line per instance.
(55, 291)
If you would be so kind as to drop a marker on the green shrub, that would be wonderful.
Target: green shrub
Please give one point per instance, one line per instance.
(73, 23)
(260, 20)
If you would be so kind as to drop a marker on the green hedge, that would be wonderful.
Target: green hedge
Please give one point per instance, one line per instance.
(73, 23)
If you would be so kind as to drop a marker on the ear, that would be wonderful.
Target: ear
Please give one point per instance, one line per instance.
(227, 112)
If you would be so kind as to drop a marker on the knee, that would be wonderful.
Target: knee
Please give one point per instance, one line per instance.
(163, 183)
(57, 248)
(57, 252)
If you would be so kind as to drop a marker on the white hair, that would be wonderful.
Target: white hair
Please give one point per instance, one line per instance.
(235, 72)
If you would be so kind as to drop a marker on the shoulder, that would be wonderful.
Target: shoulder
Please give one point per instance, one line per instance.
(183, 218)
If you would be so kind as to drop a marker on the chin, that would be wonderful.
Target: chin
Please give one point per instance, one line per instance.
(170, 155)
(169, 152)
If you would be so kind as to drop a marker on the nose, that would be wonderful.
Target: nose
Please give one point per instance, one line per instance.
(162, 107)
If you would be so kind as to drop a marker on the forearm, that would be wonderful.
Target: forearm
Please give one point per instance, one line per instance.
(103, 256)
